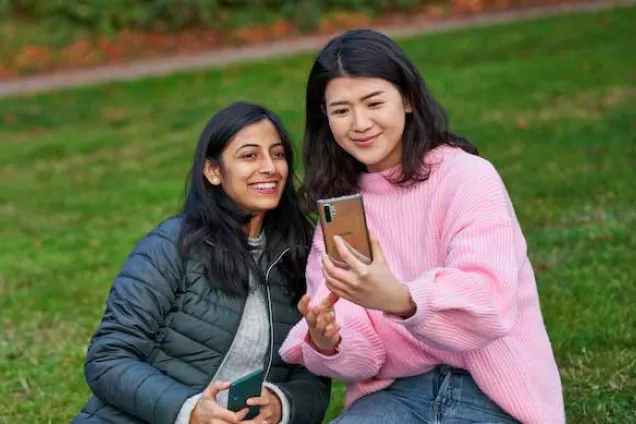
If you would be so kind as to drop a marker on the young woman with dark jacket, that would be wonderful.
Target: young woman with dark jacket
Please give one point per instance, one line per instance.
(209, 295)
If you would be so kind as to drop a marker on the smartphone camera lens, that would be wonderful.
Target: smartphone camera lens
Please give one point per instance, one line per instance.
(327, 210)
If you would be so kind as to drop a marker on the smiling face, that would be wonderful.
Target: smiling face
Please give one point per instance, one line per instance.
(367, 118)
(253, 168)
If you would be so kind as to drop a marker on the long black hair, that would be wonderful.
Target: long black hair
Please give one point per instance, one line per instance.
(329, 169)
(214, 226)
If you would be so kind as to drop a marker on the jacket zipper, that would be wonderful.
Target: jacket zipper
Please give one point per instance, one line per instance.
(271, 315)
(271, 323)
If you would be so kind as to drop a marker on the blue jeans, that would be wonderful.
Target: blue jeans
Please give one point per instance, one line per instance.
(445, 395)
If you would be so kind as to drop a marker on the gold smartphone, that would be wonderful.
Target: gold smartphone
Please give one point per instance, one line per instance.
(344, 216)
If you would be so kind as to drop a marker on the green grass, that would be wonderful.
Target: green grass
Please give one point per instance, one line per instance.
(86, 173)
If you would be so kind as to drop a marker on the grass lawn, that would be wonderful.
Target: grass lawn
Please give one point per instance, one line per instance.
(86, 173)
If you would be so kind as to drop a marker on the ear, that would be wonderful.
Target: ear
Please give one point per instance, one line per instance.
(323, 109)
(407, 106)
(212, 172)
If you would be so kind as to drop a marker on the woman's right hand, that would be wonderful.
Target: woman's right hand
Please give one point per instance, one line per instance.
(207, 411)
(321, 320)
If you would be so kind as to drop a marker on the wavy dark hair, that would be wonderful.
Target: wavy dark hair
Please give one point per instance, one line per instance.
(329, 169)
(214, 226)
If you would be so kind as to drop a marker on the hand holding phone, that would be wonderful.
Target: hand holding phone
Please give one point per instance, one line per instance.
(208, 410)
(371, 286)
(271, 406)
(244, 388)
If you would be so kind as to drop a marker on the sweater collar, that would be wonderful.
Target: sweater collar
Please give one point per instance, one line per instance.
(380, 182)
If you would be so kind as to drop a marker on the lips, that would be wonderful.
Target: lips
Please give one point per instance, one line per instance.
(365, 142)
(269, 187)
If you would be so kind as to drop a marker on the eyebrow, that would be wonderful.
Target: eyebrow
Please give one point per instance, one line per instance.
(243, 146)
(363, 98)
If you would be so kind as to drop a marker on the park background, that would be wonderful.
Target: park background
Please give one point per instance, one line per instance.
(85, 172)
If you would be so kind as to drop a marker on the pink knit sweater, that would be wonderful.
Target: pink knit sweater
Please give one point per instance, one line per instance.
(455, 242)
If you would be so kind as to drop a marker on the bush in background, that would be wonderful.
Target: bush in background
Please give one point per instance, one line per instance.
(48, 35)
(110, 16)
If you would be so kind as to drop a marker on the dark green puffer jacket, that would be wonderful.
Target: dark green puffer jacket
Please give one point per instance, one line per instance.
(166, 330)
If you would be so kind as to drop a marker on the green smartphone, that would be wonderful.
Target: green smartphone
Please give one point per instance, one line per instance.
(244, 388)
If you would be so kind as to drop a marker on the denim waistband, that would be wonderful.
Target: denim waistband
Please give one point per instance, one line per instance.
(449, 369)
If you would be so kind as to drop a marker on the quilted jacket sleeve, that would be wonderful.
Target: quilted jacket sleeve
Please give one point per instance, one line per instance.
(141, 296)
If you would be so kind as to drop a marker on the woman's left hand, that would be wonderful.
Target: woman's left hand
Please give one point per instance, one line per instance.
(372, 286)
(271, 408)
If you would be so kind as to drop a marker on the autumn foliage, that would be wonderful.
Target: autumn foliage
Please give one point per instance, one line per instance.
(72, 34)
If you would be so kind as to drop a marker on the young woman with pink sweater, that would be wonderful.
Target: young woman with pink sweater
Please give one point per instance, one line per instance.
(444, 326)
